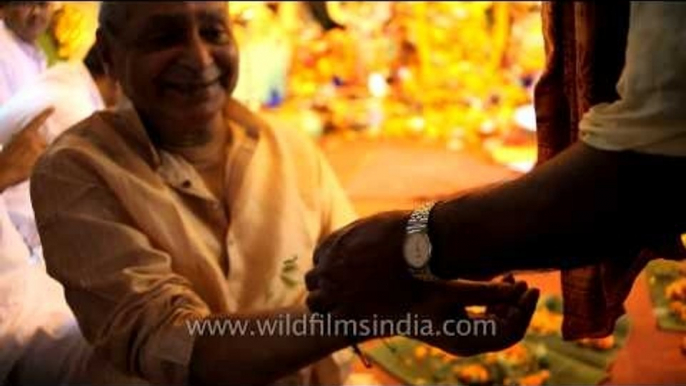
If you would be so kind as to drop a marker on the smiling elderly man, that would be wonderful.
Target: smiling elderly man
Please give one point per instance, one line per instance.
(183, 206)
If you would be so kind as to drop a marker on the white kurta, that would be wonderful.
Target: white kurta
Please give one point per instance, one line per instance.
(40, 341)
(71, 91)
(20, 63)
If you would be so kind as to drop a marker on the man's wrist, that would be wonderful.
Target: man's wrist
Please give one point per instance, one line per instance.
(437, 263)
(8, 172)
(453, 254)
(6, 179)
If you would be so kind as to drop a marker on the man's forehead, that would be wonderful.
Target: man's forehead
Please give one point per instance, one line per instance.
(149, 12)
(26, 3)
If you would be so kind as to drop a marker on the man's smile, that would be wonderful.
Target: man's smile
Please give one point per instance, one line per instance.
(191, 87)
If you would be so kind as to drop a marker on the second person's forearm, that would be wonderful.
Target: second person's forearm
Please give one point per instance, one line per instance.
(276, 344)
(583, 207)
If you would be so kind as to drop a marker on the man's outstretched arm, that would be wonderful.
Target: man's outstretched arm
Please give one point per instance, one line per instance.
(583, 207)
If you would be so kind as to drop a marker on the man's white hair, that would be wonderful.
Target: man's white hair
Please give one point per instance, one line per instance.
(113, 15)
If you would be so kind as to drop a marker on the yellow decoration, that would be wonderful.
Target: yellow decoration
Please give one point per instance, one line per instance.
(677, 290)
(73, 29)
(461, 69)
(605, 343)
(536, 379)
(421, 352)
(546, 322)
(472, 374)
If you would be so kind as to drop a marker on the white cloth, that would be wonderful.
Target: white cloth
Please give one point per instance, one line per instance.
(650, 116)
(30, 300)
(70, 89)
(20, 63)
(40, 341)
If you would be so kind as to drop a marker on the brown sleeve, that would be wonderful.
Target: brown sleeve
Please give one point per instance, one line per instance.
(585, 45)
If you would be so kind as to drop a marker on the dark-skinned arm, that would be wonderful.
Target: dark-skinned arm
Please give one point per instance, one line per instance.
(253, 359)
(582, 207)
(248, 359)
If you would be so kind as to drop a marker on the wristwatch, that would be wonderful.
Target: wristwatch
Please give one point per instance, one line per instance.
(417, 246)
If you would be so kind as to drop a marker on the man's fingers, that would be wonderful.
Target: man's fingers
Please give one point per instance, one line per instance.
(528, 302)
(38, 121)
(477, 293)
(512, 321)
(501, 308)
(509, 279)
(324, 249)
(318, 302)
(524, 308)
(516, 322)
(312, 280)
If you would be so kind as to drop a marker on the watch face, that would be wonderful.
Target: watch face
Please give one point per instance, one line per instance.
(417, 250)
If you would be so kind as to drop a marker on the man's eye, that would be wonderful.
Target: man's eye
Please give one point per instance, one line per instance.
(162, 40)
(216, 35)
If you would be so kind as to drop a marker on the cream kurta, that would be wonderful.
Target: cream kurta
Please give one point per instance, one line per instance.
(139, 242)
(650, 116)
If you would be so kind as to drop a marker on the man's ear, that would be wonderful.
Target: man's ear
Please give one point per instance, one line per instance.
(104, 46)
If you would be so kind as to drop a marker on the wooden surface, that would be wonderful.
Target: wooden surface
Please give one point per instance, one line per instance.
(392, 174)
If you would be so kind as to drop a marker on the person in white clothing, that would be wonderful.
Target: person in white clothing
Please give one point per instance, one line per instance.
(22, 60)
(74, 91)
(40, 341)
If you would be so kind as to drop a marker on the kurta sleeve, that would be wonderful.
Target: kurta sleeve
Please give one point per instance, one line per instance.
(129, 303)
